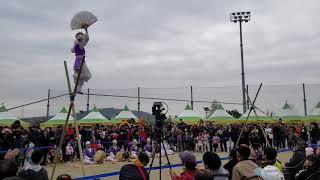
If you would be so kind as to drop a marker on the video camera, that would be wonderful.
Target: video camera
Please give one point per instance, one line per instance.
(157, 111)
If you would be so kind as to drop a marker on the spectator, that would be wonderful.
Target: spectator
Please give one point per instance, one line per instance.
(215, 142)
(8, 168)
(269, 134)
(33, 170)
(64, 177)
(296, 162)
(199, 145)
(189, 163)
(309, 151)
(314, 133)
(135, 171)
(233, 160)
(69, 152)
(271, 173)
(318, 152)
(205, 139)
(269, 157)
(310, 167)
(14, 178)
(212, 162)
(245, 168)
(203, 174)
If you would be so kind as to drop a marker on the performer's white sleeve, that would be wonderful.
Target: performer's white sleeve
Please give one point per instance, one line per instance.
(85, 40)
(72, 49)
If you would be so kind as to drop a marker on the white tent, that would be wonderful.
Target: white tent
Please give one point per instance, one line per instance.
(7, 119)
(124, 115)
(94, 117)
(188, 116)
(58, 119)
(221, 116)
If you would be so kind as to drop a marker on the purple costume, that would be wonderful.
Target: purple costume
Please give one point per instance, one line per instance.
(148, 147)
(134, 149)
(88, 153)
(113, 149)
(80, 54)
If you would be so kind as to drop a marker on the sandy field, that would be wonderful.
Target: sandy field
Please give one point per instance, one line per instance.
(74, 168)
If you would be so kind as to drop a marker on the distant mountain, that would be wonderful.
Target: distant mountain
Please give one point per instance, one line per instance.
(106, 112)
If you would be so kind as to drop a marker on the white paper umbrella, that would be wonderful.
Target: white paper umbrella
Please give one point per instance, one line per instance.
(82, 18)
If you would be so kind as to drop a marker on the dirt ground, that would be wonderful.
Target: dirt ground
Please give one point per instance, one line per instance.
(74, 168)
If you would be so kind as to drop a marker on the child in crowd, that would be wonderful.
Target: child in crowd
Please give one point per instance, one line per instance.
(205, 141)
(69, 152)
(199, 145)
(34, 170)
(215, 141)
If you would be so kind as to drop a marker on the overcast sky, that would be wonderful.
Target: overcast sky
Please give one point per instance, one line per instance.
(157, 44)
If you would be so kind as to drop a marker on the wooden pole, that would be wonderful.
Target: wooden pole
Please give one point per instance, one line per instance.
(255, 112)
(251, 108)
(75, 121)
(72, 97)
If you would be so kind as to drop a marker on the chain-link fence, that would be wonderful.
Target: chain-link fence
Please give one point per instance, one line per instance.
(270, 99)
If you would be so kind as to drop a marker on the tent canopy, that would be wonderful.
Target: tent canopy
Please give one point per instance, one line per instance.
(124, 115)
(253, 118)
(314, 116)
(58, 119)
(188, 116)
(289, 115)
(94, 117)
(220, 116)
(7, 119)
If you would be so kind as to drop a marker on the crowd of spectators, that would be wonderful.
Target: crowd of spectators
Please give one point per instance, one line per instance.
(34, 147)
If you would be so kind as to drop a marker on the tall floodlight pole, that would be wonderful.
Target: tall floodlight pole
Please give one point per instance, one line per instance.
(241, 17)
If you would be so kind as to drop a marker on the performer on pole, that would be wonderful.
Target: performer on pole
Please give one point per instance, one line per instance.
(79, 50)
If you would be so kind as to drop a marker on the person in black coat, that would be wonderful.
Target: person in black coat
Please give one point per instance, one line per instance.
(310, 167)
(33, 170)
(135, 171)
(232, 162)
(297, 160)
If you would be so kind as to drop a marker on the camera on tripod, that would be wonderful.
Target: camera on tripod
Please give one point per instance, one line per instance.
(157, 111)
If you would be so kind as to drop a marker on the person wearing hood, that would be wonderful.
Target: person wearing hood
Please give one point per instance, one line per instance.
(295, 164)
(33, 170)
(269, 157)
(135, 171)
(212, 162)
(245, 168)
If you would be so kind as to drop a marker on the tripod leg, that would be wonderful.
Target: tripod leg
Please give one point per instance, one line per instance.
(166, 154)
(160, 162)
(153, 156)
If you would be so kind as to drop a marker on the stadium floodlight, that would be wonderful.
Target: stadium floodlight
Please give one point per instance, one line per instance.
(240, 17)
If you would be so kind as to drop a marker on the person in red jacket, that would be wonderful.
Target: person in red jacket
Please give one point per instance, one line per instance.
(189, 163)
